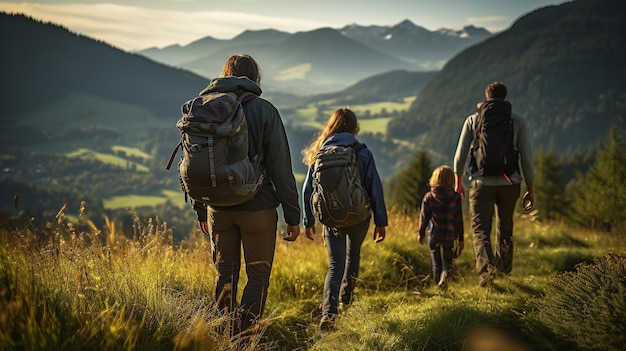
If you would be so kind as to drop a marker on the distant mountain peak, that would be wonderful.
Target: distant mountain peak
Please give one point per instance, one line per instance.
(408, 26)
(465, 32)
(405, 23)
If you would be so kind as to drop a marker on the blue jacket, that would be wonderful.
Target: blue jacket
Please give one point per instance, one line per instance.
(369, 175)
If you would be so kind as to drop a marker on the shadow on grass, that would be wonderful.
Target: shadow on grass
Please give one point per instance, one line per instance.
(556, 239)
(462, 328)
(567, 261)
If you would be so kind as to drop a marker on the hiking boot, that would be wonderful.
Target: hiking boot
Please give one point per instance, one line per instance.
(488, 278)
(327, 323)
(486, 282)
(343, 306)
(443, 281)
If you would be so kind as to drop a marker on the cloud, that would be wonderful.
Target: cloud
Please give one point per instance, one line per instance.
(134, 28)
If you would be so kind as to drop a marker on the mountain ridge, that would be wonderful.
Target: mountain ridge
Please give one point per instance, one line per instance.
(564, 69)
(383, 48)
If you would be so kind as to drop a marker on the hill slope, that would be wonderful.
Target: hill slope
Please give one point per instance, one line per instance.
(564, 66)
(46, 64)
(388, 86)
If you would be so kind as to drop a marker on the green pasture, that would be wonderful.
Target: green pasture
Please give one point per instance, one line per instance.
(135, 200)
(107, 158)
(296, 72)
(379, 107)
(130, 151)
(374, 125)
(307, 116)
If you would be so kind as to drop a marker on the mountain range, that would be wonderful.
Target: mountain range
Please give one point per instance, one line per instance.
(565, 67)
(325, 59)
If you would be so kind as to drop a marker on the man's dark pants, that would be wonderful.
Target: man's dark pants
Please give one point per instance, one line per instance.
(484, 201)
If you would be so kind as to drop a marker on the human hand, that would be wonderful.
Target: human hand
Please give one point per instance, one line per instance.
(460, 187)
(459, 248)
(379, 234)
(204, 227)
(422, 240)
(310, 232)
(528, 201)
(292, 232)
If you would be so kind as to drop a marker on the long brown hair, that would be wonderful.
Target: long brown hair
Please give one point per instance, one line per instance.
(240, 65)
(342, 120)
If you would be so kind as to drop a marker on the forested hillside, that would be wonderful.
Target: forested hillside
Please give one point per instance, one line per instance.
(389, 86)
(46, 63)
(564, 66)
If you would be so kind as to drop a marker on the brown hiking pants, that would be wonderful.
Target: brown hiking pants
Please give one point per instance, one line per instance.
(255, 231)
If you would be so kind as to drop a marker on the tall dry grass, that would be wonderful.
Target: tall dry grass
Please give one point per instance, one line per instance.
(75, 286)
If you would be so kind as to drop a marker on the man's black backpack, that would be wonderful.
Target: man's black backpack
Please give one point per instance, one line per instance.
(493, 152)
(215, 168)
(339, 198)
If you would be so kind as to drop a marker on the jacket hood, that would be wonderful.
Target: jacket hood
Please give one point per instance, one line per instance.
(343, 139)
(443, 194)
(235, 85)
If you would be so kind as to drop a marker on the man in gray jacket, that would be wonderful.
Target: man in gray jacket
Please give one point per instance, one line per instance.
(494, 192)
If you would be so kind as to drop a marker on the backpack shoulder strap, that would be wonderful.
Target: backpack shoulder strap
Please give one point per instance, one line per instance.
(356, 146)
(174, 152)
(246, 97)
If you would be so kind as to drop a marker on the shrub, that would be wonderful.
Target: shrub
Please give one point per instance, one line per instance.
(589, 305)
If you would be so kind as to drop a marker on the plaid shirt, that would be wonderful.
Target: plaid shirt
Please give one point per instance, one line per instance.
(441, 206)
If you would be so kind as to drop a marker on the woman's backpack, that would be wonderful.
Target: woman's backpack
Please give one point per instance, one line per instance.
(339, 198)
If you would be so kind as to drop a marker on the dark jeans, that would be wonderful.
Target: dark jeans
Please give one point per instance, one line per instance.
(442, 256)
(256, 232)
(483, 201)
(344, 256)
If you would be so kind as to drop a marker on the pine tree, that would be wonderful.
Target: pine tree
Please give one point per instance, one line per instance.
(601, 193)
(548, 185)
(412, 183)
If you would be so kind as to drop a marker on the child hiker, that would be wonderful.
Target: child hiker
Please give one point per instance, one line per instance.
(441, 210)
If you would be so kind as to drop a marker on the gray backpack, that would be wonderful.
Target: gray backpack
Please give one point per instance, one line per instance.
(339, 198)
(215, 168)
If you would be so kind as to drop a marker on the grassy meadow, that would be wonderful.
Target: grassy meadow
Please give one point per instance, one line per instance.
(306, 116)
(112, 159)
(73, 286)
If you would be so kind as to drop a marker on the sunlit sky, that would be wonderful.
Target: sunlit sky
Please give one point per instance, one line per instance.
(140, 24)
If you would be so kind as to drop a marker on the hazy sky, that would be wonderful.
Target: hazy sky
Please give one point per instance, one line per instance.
(139, 24)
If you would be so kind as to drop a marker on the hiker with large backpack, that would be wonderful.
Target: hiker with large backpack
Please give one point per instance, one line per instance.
(497, 141)
(237, 170)
(342, 190)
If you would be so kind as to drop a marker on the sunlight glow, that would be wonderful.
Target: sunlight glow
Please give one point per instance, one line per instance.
(112, 23)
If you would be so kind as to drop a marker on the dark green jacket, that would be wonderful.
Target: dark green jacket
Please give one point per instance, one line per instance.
(266, 131)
